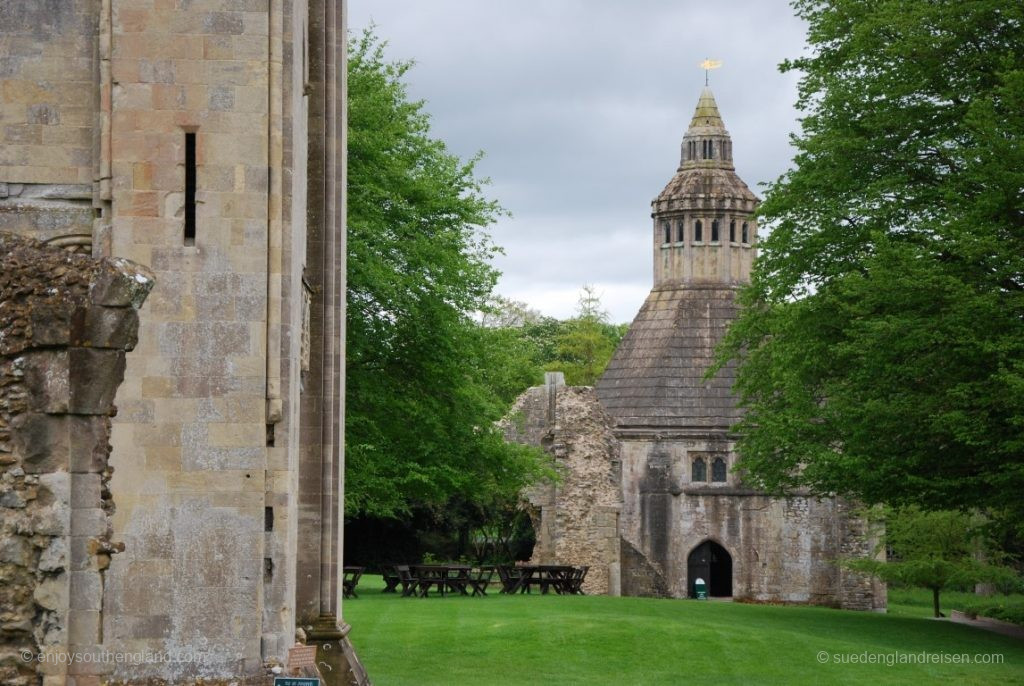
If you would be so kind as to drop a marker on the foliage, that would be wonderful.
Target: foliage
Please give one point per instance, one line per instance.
(580, 346)
(919, 602)
(997, 608)
(933, 549)
(421, 374)
(502, 640)
(585, 344)
(881, 343)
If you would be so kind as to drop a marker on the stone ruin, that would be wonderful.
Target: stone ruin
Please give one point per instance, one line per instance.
(651, 497)
(66, 322)
(576, 519)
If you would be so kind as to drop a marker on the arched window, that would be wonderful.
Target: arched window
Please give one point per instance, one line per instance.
(667, 228)
(681, 230)
(746, 233)
(718, 469)
(732, 231)
(700, 470)
(698, 231)
(714, 230)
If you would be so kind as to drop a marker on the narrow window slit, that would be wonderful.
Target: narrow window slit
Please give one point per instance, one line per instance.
(190, 188)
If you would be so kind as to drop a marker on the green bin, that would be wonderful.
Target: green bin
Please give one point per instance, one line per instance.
(701, 589)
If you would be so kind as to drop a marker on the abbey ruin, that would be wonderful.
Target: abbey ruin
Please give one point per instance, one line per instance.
(195, 148)
(649, 497)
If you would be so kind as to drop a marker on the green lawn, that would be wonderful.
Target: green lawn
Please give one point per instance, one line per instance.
(917, 602)
(599, 640)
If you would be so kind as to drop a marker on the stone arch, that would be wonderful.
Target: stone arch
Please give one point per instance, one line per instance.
(711, 561)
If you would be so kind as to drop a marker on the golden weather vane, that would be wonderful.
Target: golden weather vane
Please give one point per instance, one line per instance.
(707, 66)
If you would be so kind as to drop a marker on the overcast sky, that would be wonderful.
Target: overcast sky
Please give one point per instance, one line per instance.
(580, 107)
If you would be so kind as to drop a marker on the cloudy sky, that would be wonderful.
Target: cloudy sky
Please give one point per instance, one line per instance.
(579, 107)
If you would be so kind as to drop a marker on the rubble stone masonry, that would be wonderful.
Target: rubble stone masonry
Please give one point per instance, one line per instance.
(66, 321)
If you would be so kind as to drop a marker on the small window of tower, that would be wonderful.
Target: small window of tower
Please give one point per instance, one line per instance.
(732, 231)
(698, 231)
(714, 230)
(746, 233)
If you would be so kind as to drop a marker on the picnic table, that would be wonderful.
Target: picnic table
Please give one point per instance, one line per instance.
(392, 577)
(444, 578)
(350, 579)
(419, 580)
(563, 579)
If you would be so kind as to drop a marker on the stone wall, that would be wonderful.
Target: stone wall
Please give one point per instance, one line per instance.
(228, 443)
(629, 507)
(48, 101)
(66, 321)
(576, 519)
(781, 549)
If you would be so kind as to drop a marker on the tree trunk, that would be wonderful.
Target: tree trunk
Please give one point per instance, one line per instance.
(935, 601)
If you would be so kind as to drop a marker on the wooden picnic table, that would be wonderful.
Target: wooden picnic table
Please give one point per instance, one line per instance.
(445, 578)
(564, 579)
(350, 579)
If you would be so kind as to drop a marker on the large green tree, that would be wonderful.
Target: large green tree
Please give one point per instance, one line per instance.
(881, 343)
(425, 382)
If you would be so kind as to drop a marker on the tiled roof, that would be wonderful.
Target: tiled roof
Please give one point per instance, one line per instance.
(656, 377)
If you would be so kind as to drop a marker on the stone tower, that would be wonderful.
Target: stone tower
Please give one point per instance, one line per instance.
(704, 229)
(648, 497)
(205, 140)
(685, 513)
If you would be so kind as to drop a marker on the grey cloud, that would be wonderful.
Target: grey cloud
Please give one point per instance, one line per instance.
(579, 107)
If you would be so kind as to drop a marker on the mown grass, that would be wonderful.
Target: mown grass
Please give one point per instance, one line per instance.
(535, 639)
(917, 602)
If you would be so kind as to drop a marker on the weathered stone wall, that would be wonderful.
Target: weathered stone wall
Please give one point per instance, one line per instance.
(66, 321)
(630, 508)
(576, 519)
(782, 550)
(228, 445)
(48, 97)
(190, 442)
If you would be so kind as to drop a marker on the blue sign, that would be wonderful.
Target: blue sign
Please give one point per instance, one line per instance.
(296, 681)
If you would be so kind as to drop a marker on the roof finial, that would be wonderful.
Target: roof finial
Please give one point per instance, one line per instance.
(708, 65)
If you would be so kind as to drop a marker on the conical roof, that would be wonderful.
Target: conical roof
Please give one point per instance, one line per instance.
(706, 116)
(701, 176)
(655, 380)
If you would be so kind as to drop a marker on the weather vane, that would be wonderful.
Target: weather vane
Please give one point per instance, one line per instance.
(707, 66)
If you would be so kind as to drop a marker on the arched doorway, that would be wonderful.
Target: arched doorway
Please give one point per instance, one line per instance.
(711, 562)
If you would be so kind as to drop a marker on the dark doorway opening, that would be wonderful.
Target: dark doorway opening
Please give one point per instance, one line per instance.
(711, 562)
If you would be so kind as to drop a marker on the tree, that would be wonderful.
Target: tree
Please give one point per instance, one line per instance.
(586, 342)
(421, 374)
(937, 550)
(881, 342)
